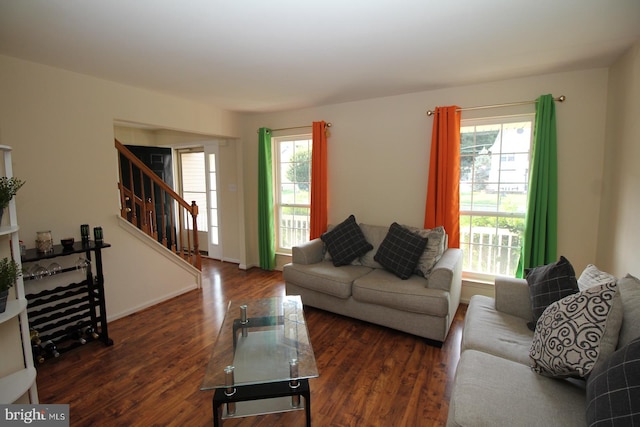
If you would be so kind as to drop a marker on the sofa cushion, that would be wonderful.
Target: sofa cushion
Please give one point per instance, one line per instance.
(548, 284)
(629, 287)
(495, 332)
(613, 389)
(400, 251)
(374, 234)
(345, 242)
(492, 391)
(436, 245)
(382, 287)
(324, 277)
(576, 332)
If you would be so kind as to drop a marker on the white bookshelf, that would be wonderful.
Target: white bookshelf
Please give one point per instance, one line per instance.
(15, 384)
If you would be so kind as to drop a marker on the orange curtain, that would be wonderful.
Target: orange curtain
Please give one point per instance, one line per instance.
(318, 181)
(443, 189)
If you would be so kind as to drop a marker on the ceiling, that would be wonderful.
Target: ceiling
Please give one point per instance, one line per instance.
(269, 55)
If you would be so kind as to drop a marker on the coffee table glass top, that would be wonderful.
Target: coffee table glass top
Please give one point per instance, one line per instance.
(264, 340)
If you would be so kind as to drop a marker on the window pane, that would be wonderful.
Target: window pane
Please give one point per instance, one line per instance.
(294, 226)
(493, 194)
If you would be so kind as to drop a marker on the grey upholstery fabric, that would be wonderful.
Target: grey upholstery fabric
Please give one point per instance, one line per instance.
(629, 287)
(494, 332)
(374, 234)
(492, 391)
(512, 297)
(324, 277)
(382, 287)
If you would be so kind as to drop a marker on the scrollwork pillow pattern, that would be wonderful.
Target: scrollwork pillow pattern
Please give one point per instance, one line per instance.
(576, 332)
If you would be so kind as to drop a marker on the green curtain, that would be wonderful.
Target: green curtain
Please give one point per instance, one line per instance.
(266, 232)
(539, 246)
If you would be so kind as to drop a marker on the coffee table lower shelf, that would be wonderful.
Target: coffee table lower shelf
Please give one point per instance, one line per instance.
(261, 399)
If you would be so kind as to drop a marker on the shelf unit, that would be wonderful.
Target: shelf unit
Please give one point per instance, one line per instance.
(16, 384)
(57, 312)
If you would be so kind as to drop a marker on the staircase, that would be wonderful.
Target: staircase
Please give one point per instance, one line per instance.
(152, 206)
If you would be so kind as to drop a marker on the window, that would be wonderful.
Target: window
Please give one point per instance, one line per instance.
(494, 177)
(292, 175)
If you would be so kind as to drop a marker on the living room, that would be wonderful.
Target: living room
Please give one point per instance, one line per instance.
(60, 124)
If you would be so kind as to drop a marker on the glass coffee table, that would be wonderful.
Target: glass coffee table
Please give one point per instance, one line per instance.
(262, 360)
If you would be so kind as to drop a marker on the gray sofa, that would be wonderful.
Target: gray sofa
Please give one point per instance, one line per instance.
(494, 384)
(365, 290)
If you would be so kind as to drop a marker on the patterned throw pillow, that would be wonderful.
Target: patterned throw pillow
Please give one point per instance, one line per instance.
(346, 242)
(576, 332)
(400, 251)
(592, 276)
(433, 252)
(613, 389)
(548, 284)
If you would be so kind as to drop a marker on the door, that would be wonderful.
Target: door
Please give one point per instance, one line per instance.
(199, 182)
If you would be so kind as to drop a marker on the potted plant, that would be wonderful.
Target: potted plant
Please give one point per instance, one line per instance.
(8, 188)
(9, 273)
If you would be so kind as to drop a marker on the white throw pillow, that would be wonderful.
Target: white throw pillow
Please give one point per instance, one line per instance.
(593, 276)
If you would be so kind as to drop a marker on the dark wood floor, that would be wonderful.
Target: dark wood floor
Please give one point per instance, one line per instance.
(369, 375)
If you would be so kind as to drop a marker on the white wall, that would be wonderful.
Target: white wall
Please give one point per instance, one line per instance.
(61, 127)
(619, 226)
(379, 150)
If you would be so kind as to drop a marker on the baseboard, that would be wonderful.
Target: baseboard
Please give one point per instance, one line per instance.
(155, 301)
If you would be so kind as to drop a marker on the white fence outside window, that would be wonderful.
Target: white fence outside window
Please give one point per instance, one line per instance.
(490, 251)
(294, 230)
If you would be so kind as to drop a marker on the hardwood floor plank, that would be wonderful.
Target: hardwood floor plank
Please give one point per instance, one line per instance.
(369, 375)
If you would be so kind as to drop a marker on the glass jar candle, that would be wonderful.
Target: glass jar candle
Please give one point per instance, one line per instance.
(44, 241)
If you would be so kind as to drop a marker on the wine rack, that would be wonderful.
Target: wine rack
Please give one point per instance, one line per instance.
(68, 315)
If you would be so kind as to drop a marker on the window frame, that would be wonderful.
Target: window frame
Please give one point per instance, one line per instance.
(277, 186)
(489, 277)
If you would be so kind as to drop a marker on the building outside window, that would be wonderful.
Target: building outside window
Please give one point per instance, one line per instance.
(494, 181)
(292, 187)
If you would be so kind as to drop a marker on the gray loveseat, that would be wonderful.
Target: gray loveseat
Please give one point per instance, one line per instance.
(494, 383)
(365, 290)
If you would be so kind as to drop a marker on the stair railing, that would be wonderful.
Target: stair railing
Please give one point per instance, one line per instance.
(147, 202)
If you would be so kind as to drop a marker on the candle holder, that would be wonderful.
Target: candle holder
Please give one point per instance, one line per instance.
(44, 241)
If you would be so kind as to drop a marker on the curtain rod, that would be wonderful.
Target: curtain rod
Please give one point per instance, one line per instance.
(326, 125)
(561, 98)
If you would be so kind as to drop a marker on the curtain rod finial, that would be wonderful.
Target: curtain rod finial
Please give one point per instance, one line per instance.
(562, 98)
(430, 113)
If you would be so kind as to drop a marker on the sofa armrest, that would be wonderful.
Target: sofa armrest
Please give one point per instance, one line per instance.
(512, 297)
(447, 271)
(309, 252)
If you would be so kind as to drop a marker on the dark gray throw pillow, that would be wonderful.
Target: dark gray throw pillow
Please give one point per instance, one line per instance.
(548, 284)
(613, 389)
(346, 242)
(400, 251)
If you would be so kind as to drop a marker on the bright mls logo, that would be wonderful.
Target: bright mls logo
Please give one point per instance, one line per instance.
(34, 415)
